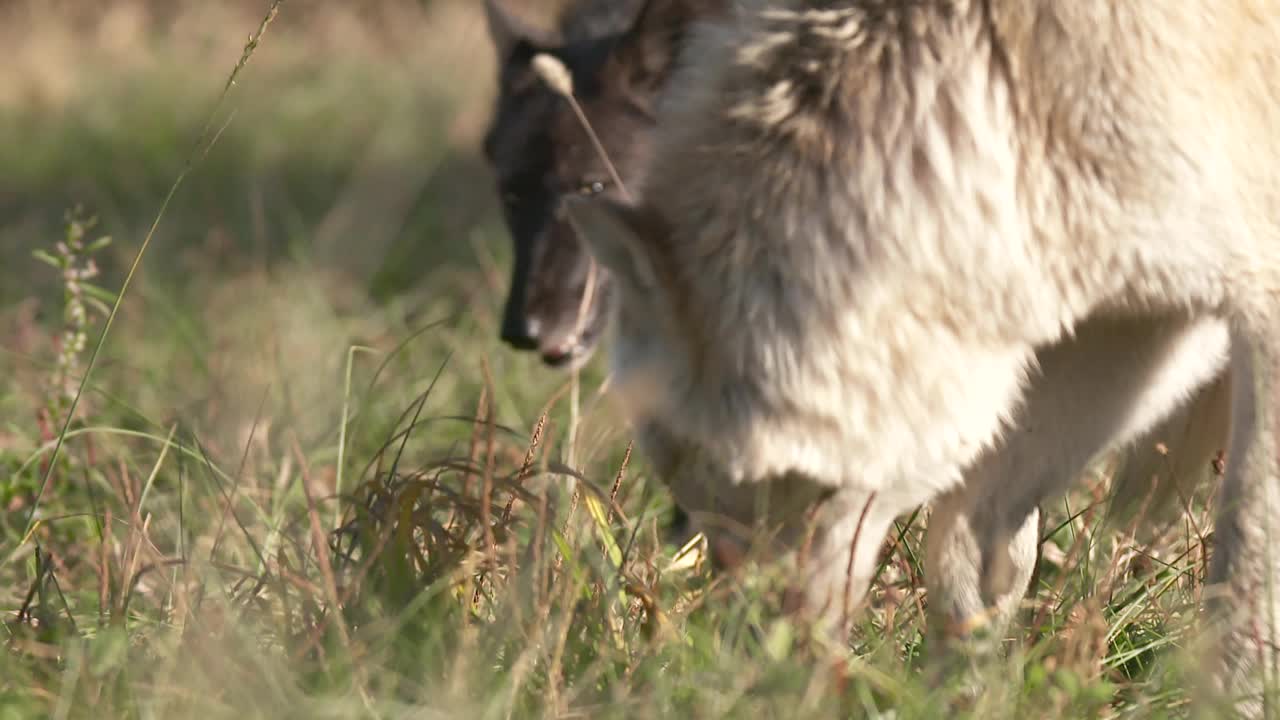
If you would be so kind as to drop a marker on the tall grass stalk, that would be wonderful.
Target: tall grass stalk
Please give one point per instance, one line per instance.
(203, 144)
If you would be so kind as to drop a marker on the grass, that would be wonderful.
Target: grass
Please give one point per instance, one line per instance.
(304, 480)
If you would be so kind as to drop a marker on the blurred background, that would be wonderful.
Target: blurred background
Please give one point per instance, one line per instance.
(344, 201)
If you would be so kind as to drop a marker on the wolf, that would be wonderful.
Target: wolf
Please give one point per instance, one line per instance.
(948, 252)
(619, 54)
(622, 55)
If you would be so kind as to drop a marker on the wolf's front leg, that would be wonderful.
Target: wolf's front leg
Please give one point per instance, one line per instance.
(837, 555)
(964, 625)
(828, 539)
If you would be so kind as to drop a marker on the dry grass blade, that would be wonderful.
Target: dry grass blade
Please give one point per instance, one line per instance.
(334, 616)
(235, 485)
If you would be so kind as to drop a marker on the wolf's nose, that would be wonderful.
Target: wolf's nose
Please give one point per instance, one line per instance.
(559, 354)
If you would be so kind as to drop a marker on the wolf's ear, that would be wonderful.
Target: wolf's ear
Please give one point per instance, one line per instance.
(620, 237)
(511, 21)
(650, 47)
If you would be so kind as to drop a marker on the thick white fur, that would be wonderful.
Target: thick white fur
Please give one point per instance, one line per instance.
(898, 252)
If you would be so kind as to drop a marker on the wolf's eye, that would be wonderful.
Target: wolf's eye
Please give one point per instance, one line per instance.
(593, 187)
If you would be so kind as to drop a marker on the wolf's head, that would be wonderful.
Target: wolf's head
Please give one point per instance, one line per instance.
(619, 54)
